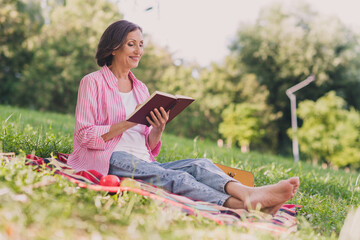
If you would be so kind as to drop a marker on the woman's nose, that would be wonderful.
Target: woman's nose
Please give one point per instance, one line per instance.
(137, 49)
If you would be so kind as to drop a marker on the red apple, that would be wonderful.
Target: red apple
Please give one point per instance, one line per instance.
(110, 180)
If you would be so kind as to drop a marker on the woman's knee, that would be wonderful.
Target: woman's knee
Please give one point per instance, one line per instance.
(184, 180)
(203, 162)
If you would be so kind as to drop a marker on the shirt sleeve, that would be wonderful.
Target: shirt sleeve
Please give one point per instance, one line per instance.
(87, 132)
(156, 150)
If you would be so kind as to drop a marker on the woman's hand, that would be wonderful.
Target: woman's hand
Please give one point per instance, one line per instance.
(158, 122)
(158, 119)
(116, 129)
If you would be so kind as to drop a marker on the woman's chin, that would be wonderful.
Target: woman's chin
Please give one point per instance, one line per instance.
(134, 65)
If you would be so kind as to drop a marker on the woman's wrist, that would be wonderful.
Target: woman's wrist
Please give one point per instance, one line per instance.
(117, 129)
(154, 137)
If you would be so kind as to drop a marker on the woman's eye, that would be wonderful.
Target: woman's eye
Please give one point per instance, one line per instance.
(132, 45)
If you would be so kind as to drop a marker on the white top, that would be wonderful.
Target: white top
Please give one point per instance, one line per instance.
(133, 140)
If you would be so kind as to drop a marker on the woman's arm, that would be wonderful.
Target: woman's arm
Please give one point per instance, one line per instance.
(117, 129)
(158, 122)
(87, 132)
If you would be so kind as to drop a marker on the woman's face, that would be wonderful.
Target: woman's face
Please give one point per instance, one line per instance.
(130, 53)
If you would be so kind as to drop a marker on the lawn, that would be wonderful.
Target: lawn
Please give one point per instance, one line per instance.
(39, 205)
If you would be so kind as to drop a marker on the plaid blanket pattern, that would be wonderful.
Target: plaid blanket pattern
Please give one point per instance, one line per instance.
(284, 221)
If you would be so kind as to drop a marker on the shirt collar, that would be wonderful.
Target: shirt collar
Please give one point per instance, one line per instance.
(109, 76)
(133, 79)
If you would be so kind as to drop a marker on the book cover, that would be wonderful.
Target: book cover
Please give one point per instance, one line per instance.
(175, 103)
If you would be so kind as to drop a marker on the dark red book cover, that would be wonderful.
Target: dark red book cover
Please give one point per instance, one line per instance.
(175, 103)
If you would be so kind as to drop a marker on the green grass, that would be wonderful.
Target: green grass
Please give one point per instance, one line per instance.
(25, 131)
(39, 205)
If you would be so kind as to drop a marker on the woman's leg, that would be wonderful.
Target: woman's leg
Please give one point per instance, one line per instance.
(234, 195)
(269, 197)
(179, 182)
(203, 170)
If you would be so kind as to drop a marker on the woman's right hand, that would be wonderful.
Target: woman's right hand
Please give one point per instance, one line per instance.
(117, 129)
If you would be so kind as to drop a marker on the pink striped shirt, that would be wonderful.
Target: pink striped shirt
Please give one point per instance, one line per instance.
(98, 107)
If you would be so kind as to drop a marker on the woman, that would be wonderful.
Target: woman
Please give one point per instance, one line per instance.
(106, 142)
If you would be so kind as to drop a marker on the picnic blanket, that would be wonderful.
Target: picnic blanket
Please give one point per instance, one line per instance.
(283, 222)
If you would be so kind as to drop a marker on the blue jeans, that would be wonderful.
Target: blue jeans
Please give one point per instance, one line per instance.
(198, 179)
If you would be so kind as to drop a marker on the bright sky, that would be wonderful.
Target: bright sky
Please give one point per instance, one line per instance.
(200, 30)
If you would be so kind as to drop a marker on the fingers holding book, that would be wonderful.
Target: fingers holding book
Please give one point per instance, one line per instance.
(158, 118)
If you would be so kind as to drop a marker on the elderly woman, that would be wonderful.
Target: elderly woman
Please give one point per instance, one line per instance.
(106, 142)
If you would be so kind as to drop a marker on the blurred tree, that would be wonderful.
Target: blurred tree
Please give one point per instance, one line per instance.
(183, 80)
(64, 53)
(214, 89)
(217, 87)
(289, 43)
(242, 125)
(330, 132)
(19, 21)
(250, 120)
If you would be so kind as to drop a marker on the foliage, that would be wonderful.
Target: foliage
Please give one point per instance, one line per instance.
(214, 89)
(249, 94)
(290, 42)
(242, 124)
(330, 132)
(217, 88)
(181, 80)
(64, 53)
(38, 205)
(19, 21)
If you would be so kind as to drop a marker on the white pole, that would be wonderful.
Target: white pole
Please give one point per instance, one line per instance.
(295, 145)
(292, 97)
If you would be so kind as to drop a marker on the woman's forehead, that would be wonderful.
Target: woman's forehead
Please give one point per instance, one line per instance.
(135, 35)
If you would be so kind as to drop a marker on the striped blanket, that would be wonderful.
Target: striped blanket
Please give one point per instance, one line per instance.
(283, 222)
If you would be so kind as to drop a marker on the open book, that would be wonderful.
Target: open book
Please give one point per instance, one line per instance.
(175, 103)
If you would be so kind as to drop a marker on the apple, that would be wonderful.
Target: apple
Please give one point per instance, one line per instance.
(110, 180)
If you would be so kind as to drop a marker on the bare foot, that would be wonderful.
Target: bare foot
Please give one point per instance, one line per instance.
(270, 198)
(296, 183)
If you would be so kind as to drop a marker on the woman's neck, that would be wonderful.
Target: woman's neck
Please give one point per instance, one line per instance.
(120, 74)
(124, 82)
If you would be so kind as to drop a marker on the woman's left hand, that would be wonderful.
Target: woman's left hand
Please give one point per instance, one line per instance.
(158, 122)
(158, 119)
